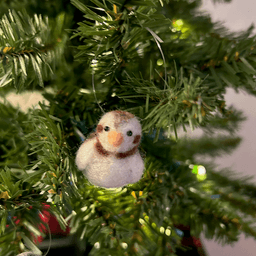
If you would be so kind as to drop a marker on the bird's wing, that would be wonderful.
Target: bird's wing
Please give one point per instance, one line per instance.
(85, 153)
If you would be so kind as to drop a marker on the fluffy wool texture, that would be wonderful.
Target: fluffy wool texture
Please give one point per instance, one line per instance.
(110, 158)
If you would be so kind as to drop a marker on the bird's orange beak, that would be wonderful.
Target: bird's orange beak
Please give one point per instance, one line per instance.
(115, 138)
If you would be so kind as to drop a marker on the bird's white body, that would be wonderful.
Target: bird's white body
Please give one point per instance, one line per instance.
(105, 161)
(108, 172)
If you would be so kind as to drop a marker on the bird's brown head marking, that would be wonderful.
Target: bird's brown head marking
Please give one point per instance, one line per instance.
(136, 139)
(99, 128)
(121, 116)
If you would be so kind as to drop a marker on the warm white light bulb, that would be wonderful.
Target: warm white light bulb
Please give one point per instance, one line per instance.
(201, 170)
(97, 245)
(124, 245)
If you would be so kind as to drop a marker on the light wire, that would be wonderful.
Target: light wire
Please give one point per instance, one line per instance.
(93, 86)
(158, 40)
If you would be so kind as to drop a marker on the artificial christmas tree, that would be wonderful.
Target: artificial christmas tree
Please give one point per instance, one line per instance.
(165, 63)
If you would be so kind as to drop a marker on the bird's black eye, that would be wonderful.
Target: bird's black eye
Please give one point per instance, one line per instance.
(106, 128)
(129, 133)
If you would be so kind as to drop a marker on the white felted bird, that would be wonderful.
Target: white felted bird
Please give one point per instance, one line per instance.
(110, 157)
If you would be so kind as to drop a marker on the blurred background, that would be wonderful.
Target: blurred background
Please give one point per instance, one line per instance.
(237, 16)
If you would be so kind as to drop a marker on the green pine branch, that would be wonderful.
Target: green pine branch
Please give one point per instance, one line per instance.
(20, 205)
(221, 219)
(240, 184)
(212, 146)
(14, 148)
(185, 101)
(119, 26)
(227, 58)
(227, 119)
(30, 48)
(45, 179)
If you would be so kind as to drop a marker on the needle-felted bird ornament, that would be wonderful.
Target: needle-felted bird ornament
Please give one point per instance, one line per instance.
(110, 157)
